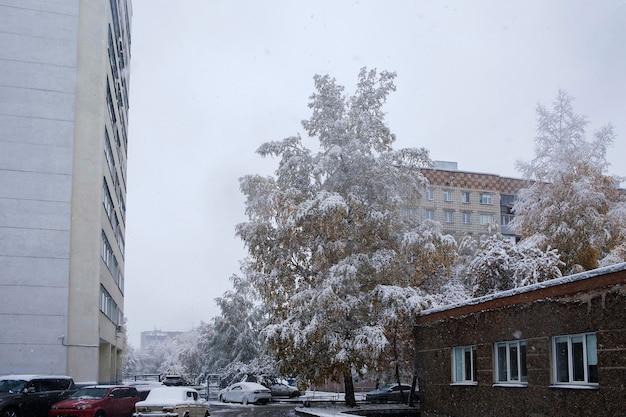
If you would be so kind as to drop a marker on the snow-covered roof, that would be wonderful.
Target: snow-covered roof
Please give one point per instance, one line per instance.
(521, 290)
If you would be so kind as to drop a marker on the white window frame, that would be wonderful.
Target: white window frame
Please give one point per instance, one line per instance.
(486, 198)
(430, 193)
(448, 216)
(430, 214)
(483, 217)
(570, 377)
(465, 197)
(467, 217)
(510, 360)
(460, 367)
(447, 195)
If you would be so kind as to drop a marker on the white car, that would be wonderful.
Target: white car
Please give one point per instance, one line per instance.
(172, 402)
(246, 393)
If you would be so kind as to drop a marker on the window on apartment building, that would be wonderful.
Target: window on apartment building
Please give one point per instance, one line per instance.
(448, 216)
(486, 218)
(465, 196)
(447, 195)
(467, 217)
(430, 214)
(409, 212)
(464, 365)
(485, 198)
(511, 362)
(430, 193)
(575, 359)
(505, 219)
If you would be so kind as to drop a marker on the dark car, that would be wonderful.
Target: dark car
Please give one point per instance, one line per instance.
(32, 395)
(389, 392)
(280, 389)
(98, 401)
(173, 380)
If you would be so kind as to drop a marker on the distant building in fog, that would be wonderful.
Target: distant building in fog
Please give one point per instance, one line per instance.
(154, 337)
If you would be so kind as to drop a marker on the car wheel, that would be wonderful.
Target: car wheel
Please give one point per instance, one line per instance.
(10, 412)
(206, 413)
(101, 414)
(222, 399)
(244, 401)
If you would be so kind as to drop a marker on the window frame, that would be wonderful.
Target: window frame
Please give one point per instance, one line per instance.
(429, 214)
(459, 363)
(483, 216)
(430, 193)
(466, 217)
(588, 353)
(520, 351)
(447, 195)
(466, 197)
(486, 198)
(448, 216)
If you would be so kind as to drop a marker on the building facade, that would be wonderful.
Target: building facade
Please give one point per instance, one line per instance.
(156, 337)
(557, 348)
(467, 203)
(64, 68)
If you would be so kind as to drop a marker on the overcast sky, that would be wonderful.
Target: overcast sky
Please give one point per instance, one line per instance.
(211, 80)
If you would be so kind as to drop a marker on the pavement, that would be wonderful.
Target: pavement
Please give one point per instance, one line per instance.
(326, 404)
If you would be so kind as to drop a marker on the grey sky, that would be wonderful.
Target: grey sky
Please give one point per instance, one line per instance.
(212, 80)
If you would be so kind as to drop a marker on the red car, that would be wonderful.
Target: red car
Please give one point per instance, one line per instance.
(98, 401)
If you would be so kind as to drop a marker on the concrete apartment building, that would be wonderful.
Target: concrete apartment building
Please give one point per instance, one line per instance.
(466, 203)
(64, 85)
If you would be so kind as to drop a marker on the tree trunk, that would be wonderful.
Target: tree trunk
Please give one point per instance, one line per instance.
(349, 389)
(395, 354)
(413, 393)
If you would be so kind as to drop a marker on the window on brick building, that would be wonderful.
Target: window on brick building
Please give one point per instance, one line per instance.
(464, 365)
(467, 217)
(575, 359)
(447, 195)
(430, 193)
(486, 218)
(485, 198)
(448, 216)
(465, 196)
(510, 358)
(430, 214)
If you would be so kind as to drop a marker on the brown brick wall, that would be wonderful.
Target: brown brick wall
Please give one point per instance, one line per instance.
(473, 181)
(601, 310)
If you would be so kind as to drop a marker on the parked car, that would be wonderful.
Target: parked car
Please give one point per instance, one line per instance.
(172, 402)
(389, 392)
(280, 389)
(173, 380)
(246, 393)
(32, 395)
(98, 401)
(144, 387)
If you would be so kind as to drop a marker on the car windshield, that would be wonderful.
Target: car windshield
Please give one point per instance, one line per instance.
(386, 387)
(12, 385)
(91, 392)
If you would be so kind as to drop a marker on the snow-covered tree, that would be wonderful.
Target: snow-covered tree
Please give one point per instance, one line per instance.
(569, 204)
(502, 265)
(231, 345)
(325, 233)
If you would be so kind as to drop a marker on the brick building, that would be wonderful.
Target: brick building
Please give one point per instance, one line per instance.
(466, 203)
(557, 348)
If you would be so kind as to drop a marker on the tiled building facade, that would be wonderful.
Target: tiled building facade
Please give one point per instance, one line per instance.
(466, 203)
(64, 85)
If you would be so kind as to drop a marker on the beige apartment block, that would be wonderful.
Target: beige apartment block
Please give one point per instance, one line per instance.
(467, 203)
(64, 87)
